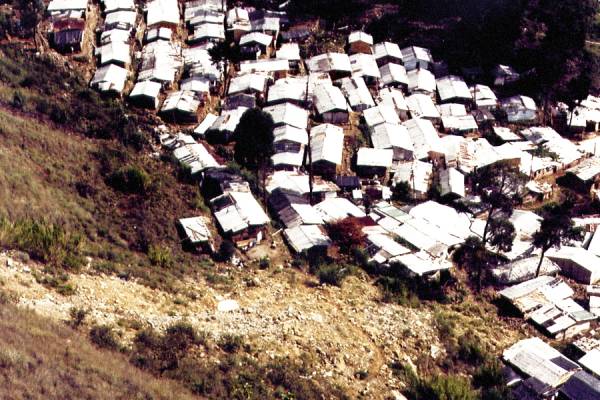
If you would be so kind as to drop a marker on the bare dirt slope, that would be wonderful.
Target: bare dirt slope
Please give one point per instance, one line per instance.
(281, 313)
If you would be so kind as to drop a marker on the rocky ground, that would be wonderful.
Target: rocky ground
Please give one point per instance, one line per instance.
(279, 311)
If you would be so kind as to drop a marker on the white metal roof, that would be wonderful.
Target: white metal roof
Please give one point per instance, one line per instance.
(329, 62)
(196, 84)
(121, 17)
(146, 89)
(110, 78)
(413, 54)
(393, 74)
(360, 36)
(452, 181)
(207, 31)
(417, 174)
(289, 114)
(422, 263)
(228, 120)
(506, 134)
(336, 208)
(484, 96)
(369, 157)
(268, 65)
(256, 37)
(117, 5)
(328, 98)
(424, 137)
(452, 87)
(586, 169)
(114, 35)
(327, 143)
(591, 361)
(297, 182)
(290, 133)
(392, 97)
(452, 110)
(196, 229)
(67, 5)
(390, 136)
(195, 156)
(114, 52)
(289, 51)
(288, 158)
(254, 82)
(386, 49)
(181, 100)
(206, 123)
(162, 11)
(305, 237)
(290, 88)
(460, 124)
(356, 92)
(421, 80)
(422, 106)
(380, 114)
(364, 65)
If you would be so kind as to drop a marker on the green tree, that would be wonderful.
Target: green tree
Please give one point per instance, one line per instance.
(31, 14)
(254, 142)
(473, 256)
(498, 186)
(556, 229)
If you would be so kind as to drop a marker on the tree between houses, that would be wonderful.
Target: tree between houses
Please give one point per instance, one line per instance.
(556, 229)
(254, 143)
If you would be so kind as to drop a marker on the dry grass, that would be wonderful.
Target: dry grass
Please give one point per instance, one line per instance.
(43, 360)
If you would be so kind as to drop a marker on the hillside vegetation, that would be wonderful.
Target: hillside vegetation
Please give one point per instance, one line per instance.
(40, 359)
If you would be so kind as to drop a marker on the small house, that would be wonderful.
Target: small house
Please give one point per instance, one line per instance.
(326, 145)
(415, 57)
(374, 162)
(393, 75)
(145, 94)
(196, 232)
(519, 109)
(585, 176)
(452, 183)
(577, 263)
(393, 97)
(425, 139)
(240, 217)
(421, 81)
(380, 114)
(360, 42)
(422, 106)
(453, 89)
(223, 128)
(109, 79)
(288, 90)
(291, 53)
(418, 175)
(386, 53)
(330, 104)
(288, 114)
(158, 33)
(364, 65)
(238, 23)
(207, 33)
(504, 75)
(67, 34)
(253, 45)
(181, 106)
(484, 97)
(310, 240)
(337, 65)
(253, 83)
(357, 93)
(162, 13)
(117, 53)
(395, 137)
(278, 68)
(118, 5)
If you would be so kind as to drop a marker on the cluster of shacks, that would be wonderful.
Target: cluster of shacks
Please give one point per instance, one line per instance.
(350, 126)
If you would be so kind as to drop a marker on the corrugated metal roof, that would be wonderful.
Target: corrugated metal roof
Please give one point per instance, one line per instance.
(329, 98)
(305, 237)
(387, 49)
(389, 136)
(356, 92)
(162, 11)
(392, 74)
(422, 106)
(289, 114)
(327, 143)
(424, 137)
(360, 36)
(337, 208)
(196, 229)
(364, 65)
(369, 157)
(452, 87)
(421, 80)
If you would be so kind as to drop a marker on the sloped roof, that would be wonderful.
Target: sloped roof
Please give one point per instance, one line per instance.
(336, 208)
(327, 143)
(422, 106)
(385, 49)
(110, 78)
(289, 114)
(393, 74)
(416, 173)
(196, 229)
(290, 133)
(290, 88)
(421, 80)
(329, 62)
(289, 51)
(253, 82)
(147, 89)
(582, 385)
(382, 113)
(162, 11)
(452, 182)
(305, 237)
(452, 87)
(392, 97)
(360, 36)
(388, 136)
(424, 137)
(328, 98)
(364, 65)
(356, 92)
(256, 37)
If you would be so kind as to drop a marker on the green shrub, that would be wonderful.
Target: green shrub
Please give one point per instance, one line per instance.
(160, 256)
(441, 387)
(44, 241)
(77, 316)
(445, 326)
(231, 343)
(104, 337)
(332, 274)
(131, 179)
(470, 350)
